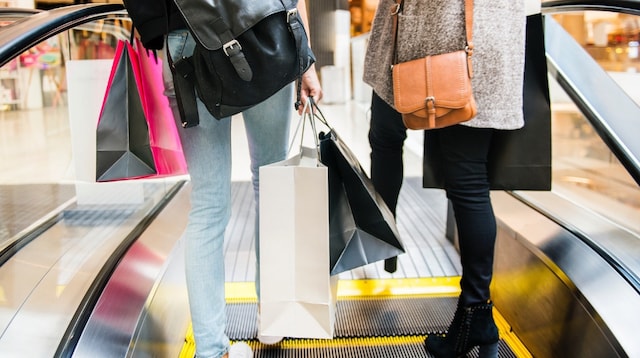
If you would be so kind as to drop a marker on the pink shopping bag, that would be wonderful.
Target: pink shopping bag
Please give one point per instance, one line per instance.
(136, 134)
(163, 132)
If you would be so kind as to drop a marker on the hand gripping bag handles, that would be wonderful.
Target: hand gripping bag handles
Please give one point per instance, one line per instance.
(246, 51)
(435, 91)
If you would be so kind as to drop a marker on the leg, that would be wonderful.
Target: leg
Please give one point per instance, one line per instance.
(464, 151)
(267, 125)
(387, 134)
(207, 149)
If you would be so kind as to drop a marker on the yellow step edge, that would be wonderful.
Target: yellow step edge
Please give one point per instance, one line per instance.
(510, 338)
(370, 288)
(341, 342)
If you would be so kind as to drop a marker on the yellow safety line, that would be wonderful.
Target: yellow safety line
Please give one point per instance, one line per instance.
(506, 333)
(358, 289)
(432, 287)
(342, 342)
(189, 347)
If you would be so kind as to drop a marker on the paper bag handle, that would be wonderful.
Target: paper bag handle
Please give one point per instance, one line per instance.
(310, 112)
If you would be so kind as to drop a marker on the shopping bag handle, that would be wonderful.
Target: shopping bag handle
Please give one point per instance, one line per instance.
(308, 114)
(317, 114)
(312, 113)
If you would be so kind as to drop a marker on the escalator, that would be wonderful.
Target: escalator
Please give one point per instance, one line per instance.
(567, 272)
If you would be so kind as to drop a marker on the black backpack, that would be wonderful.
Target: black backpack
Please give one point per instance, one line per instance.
(246, 51)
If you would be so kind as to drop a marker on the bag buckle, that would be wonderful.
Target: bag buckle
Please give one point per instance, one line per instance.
(396, 9)
(229, 46)
(430, 99)
(290, 14)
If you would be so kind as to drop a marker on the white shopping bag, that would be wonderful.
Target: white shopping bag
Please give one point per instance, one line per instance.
(297, 294)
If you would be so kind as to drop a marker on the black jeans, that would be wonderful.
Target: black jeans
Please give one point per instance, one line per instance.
(465, 151)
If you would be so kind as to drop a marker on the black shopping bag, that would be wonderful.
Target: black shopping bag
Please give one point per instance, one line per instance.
(518, 159)
(123, 149)
(362, 228)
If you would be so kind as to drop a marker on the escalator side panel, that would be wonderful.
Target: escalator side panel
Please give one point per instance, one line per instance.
(561, 297)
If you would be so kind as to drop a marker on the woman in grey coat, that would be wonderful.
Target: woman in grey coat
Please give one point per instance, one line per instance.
(428, 27)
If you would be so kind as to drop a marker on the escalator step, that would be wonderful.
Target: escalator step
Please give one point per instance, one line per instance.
(381, 317)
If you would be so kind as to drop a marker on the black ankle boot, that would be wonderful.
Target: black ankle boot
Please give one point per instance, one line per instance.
(471, 326)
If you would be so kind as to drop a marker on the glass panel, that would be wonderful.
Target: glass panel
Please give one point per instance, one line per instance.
(613, 40)
(585, 170)
(35, 138)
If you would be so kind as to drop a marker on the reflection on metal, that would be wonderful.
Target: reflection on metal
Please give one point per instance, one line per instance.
(579, 180)
(560, 296)
(143, 310)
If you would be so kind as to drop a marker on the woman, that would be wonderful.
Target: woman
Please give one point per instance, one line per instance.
(207, 149)
(428, 27)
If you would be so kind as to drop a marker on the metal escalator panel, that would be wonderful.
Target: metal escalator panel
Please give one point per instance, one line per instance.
(42, 285)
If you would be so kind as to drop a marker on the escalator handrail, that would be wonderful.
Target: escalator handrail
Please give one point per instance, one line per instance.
(22, 35)
(631, 7)
(17, 11)
(608, 108)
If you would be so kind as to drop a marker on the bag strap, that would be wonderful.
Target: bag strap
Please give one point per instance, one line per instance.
(183, 74)
(397, 8)
(310, 112)
(232, 49)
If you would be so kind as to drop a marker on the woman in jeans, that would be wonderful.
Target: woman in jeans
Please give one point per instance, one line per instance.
(207, 150)
(428, 27)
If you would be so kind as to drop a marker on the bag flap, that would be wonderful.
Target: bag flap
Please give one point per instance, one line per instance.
(444, 77)
(240, 15)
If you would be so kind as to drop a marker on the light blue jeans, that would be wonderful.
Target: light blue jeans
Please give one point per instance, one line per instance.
(207, 149)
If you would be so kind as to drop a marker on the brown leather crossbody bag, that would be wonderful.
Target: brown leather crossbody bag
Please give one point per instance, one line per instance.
(435, 91)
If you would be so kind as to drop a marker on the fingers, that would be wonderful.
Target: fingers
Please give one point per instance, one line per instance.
(310, 87)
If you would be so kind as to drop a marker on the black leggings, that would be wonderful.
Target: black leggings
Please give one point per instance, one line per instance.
(464, 151)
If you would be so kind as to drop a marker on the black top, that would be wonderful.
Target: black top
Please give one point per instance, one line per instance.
(153, 20)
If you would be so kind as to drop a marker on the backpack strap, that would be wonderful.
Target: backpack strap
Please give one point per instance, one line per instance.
(183, 74)
(297, 29)
(232, 49)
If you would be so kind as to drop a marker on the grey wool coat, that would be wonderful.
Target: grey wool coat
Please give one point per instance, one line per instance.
(429, 27)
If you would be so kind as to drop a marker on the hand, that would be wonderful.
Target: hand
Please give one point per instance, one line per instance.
(310, 87)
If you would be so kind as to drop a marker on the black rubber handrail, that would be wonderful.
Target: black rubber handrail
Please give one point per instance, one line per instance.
(22, 35)
(622, 6)
(17, 11)
(7, 252)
